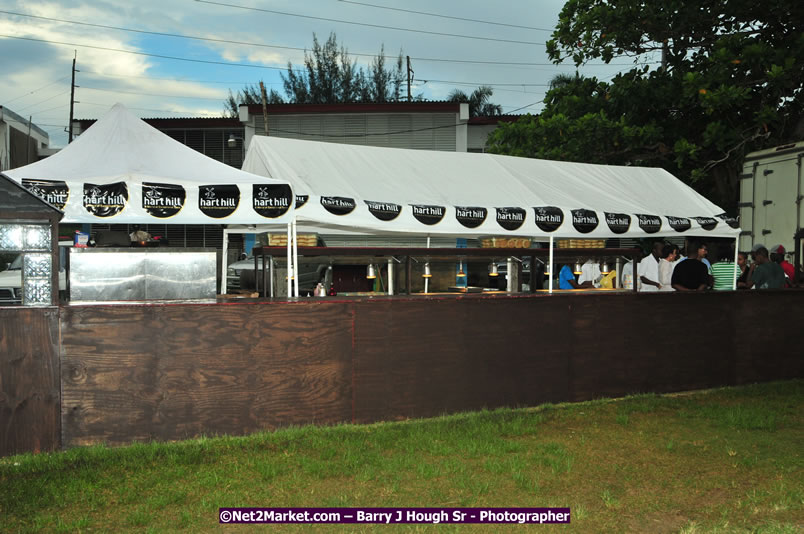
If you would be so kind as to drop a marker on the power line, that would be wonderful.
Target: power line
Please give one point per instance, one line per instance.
(107, 106)
(210, 62)
(167, 79)
(219, 98)
(380, 26)
(36, 90)
(300, 49)
(446, 16)
(43, 101)
(477, 84)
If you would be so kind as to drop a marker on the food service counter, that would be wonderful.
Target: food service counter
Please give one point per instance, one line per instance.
(126, 274)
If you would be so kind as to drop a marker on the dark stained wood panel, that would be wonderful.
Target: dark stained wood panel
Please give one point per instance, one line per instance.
(29, 380)
(171, 372)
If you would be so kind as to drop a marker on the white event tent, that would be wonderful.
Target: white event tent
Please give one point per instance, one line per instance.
(385, 190)
(121, 170)
(376, 189)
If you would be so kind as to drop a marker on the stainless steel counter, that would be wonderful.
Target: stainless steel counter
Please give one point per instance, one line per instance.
(125, 274)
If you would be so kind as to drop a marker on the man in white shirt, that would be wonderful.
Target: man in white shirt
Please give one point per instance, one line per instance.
(648, 269)
(590, 271)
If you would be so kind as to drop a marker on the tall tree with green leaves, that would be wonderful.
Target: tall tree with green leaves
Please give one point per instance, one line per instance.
(726, 80)
(480, 104)
(250, 94)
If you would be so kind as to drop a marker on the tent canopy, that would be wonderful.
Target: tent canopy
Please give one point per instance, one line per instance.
(121, 170)
(465, 194)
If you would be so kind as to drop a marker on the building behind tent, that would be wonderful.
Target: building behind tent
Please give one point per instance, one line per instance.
(21, 142)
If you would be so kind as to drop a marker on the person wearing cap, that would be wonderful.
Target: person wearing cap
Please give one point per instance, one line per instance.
(763, 273)
(777, 255)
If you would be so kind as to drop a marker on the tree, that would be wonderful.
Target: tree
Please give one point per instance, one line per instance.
(331, 76)
(479, 101)
(250, 94)
(729, 82)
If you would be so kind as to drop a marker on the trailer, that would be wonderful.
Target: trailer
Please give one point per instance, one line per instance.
(770, 199)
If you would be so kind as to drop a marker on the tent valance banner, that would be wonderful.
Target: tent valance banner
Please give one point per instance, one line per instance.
(389, 190)
(121, 170)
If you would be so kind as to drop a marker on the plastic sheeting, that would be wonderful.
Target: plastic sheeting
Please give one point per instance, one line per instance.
(121, 170)
(383, 190)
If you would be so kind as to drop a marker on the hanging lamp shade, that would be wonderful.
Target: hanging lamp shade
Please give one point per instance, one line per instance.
(371, 273)
(605, 269)
(427, 273)
(578, 268)
(493, 269)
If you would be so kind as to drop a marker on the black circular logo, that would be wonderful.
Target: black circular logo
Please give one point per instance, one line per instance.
(734, 222)
(650, 224)
(511, 218)
(619, 223)
(162, 200)
(271, 200)
(53, 192)
(338, 205)
(384, 211)
(218, 201)
(679, 224)
(428, 214)
(548, 218)
(584, 220)
(301, 200)
(707, 223)
(470, 217)
(105, 200)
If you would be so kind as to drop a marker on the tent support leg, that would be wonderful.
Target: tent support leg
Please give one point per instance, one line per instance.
(550, 267)
(295, 261)
(736, 256)
(290, 266)
(390, 276)
(225, 263)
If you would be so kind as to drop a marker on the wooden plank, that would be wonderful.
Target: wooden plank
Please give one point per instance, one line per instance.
(29, 380)
(171, 372)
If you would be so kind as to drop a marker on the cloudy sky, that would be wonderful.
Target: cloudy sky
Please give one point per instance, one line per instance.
(179, 58)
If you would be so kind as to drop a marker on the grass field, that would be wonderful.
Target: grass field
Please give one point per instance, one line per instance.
(727, 460)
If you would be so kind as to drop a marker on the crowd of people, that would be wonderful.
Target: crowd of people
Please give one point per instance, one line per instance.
(667, 269)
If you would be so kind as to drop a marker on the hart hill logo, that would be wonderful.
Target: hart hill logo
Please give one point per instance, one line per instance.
(218, 201)
(650, 224)
(428, 214)
(707, 223)
(53, 192)
(734, 222)
(338, 205)
(271, 200)
(619, 223)
(510, 218)
(162, 200)
(679, 224)
(584, 220)
(105, 200)
(548, 218)
(384, 211)
(301, 200)
(471, 217)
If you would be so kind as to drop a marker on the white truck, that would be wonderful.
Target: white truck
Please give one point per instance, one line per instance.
(771, 190)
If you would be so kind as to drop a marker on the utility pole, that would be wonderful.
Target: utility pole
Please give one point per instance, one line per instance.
(410, 71)
(72, 103)
(264, 107)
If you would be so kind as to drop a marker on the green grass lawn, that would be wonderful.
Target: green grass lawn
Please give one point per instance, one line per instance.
(727, 460)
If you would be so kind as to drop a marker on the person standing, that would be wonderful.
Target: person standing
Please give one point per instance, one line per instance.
(765, 274)
(777, 255)
(724, 269)
(666, 265)
(648, 269)
(742, 263)
(691, 274)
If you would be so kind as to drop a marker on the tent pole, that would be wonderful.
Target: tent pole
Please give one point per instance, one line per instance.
(736, 257)
(427, 280)
(295, 260)
(552, 273)
(290, 266)
(390, 276)
(225, 263)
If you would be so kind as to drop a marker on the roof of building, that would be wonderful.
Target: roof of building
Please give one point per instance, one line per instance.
(4, 111)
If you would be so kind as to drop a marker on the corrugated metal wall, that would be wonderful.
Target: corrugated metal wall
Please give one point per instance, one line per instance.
(424, 131)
